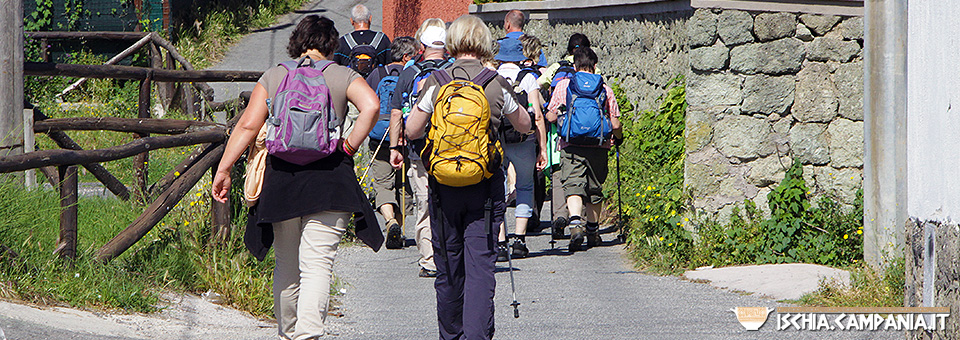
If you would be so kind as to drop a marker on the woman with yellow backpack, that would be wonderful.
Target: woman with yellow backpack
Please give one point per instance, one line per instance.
(464, 105)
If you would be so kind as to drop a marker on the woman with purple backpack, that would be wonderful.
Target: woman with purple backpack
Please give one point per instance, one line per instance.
(310, 190)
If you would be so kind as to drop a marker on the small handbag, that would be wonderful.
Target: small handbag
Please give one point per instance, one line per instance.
(256, 163)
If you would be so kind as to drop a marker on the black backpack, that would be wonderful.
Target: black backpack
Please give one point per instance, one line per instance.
(507, 132)
(363, 57)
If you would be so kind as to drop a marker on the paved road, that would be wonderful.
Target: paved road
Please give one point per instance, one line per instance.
(267, 47)
(588, 295)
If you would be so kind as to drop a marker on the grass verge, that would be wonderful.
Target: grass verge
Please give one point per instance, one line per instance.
(867, 288)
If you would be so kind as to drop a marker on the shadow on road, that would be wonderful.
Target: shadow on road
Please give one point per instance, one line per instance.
(310, 11)
(272, 28)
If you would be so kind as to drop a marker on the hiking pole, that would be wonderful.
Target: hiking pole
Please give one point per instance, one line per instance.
(513, 288)
(553, 239)
(374, 155)
(622, 236)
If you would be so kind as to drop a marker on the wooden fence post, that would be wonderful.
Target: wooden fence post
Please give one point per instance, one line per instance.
(221, 223)
(140, 165)
(67, 243)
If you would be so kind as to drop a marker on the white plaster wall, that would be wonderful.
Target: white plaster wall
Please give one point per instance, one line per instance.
(933, 107)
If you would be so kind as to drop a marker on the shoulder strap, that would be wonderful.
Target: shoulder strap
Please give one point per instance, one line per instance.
(442, 77)
(376, 40)
(351, 42)
(485, 76)
(322, 65)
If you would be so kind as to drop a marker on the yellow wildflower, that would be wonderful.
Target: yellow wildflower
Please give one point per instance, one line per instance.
(186, 222)
(673, 212)
(670, 244)
(176, 173)
(845, 236)
(860, 232)
(661, 238)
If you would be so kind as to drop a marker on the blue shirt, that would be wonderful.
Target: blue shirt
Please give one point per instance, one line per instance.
(516, 35)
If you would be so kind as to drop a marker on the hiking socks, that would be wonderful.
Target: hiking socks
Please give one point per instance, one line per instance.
(593, 234)
(593, 227)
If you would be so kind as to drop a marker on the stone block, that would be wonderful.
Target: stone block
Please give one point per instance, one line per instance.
(781, 56)
(698, 130)
(841, 184)
(713, 89)
(702, 28)
(816, 97)
(768, 170)
(745, 58)
(846, 143)
(769, 95)
(711, 58)
(743, 137)
(849, 80)
(832, 49)
(852, 28)
(809, 143)
(772, 26)
(803, 33)
(735, 27)
(819, 24)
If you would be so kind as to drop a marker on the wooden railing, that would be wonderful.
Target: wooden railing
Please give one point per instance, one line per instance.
(60, 165)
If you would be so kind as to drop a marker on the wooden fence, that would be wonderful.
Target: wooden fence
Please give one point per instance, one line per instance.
(60, 166)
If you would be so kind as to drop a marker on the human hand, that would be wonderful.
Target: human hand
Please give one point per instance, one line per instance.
(542, 160)
(396, 158)
(221, 186)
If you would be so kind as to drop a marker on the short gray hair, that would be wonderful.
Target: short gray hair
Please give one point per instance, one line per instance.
(360, 13)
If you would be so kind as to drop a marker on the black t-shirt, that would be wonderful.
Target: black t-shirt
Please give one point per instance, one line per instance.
(374, 78)
(405, 83)
(364, 37)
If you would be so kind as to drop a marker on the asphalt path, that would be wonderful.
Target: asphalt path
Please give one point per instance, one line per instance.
(267, 47)
(594, 294)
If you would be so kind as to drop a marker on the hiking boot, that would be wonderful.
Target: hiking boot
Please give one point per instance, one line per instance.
(502, 252)
(520, 249)
(424, 272)
(395, 239)
(576, 238)
(557, 227)
(593, 238)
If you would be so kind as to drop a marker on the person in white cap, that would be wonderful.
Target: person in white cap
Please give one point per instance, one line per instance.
(431, 35)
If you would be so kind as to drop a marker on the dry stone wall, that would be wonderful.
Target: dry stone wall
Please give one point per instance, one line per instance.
(765, 89)
(641, 53)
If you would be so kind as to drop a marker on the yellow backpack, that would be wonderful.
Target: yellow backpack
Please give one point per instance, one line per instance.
(461, 148)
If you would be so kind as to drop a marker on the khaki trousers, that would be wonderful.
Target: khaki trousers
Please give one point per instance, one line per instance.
(417, 173)
(305, 248)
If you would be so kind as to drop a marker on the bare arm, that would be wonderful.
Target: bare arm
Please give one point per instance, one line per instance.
(535, 98)
(243, 134)
(416, 123)
(366, 101)
(520, 120)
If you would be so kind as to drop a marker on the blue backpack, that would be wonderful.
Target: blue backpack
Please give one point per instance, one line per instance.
(385, 89)
(565, 71)
(586, 121)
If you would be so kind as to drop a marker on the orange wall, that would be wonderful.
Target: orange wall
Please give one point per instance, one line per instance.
(402, 17)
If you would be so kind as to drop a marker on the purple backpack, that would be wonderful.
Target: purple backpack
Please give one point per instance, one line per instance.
(303, 126)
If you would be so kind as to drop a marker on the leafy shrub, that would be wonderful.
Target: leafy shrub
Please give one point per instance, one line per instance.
(666, 234)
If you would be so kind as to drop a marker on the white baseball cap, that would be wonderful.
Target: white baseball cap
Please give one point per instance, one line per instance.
(434, 37)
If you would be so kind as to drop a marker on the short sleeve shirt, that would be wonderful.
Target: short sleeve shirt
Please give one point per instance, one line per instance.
(405, 83)
(559, 97)
(337, 77)
(499, 93)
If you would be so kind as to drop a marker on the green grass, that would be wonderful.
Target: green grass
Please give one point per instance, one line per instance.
(868, 288)
(175, 255)
(221, 25)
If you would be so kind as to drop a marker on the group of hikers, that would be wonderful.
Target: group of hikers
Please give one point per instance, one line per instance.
(464, 122)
